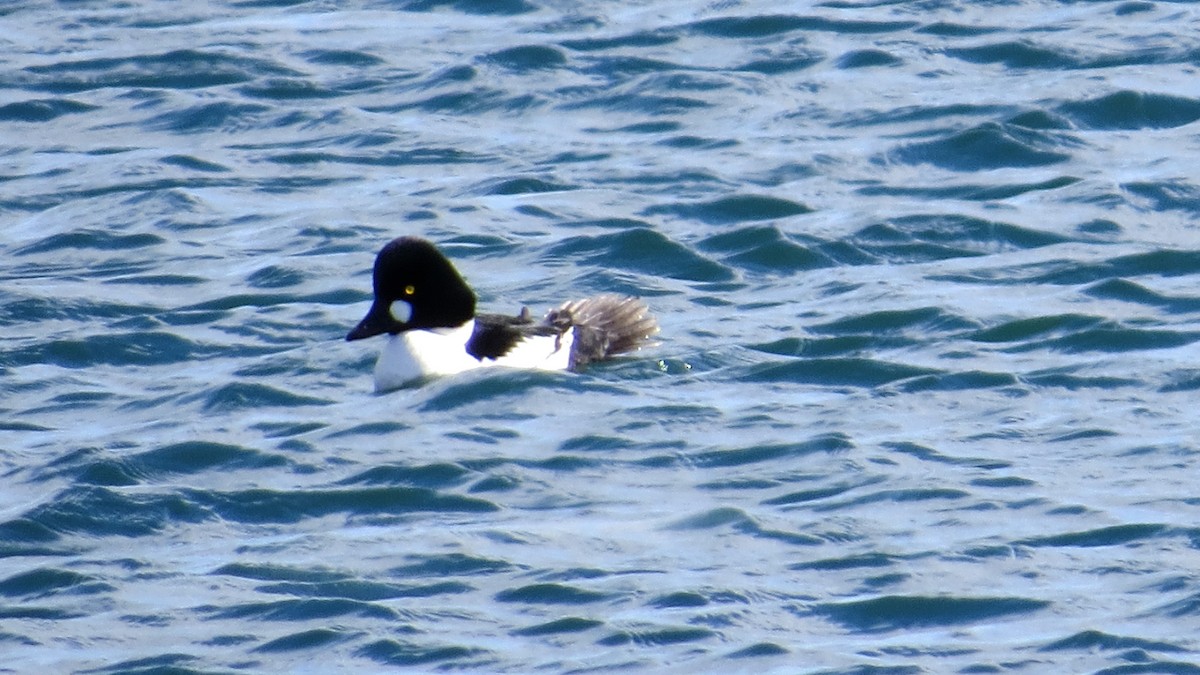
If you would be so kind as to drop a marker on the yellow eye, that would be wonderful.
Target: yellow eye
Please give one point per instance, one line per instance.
(409, 290)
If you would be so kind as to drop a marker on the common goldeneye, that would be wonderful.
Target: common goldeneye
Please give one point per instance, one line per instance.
(428, 314)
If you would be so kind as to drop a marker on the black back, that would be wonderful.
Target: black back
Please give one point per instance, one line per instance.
(496, 334)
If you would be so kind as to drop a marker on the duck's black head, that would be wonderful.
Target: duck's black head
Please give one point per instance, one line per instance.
(430, 292)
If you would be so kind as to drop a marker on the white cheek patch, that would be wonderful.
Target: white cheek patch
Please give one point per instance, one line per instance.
(400, 310)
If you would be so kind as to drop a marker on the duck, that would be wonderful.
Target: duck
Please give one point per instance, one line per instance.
(427, 313)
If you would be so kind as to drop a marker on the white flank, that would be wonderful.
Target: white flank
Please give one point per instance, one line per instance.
(415, 354)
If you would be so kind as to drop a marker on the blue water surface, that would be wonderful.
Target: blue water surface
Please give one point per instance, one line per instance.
(923, 400)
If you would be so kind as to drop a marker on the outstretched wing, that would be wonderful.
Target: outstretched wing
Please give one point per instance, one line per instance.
(592, 329)
(604, 326)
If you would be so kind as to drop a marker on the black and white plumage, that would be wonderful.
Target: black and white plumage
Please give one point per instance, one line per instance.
(428, 313)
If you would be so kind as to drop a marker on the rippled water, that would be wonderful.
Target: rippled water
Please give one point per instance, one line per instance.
(926, 274)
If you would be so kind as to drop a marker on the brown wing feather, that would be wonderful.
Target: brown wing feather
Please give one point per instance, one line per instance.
(605, 326)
